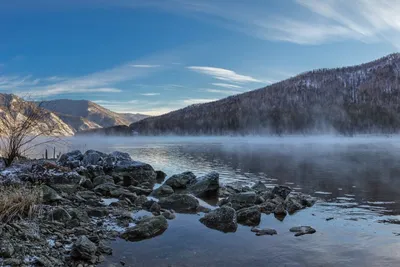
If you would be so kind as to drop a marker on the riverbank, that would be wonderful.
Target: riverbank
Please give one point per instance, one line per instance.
(88, 200)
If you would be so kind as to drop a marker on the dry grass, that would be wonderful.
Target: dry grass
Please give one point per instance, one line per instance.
(19, 202)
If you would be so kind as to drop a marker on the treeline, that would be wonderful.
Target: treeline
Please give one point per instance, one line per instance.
(358, 99)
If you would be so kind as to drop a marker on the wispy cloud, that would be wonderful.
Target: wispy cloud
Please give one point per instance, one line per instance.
(328, 21)
(105, 81)
(227, 85)
(223, 74)
(150, 94)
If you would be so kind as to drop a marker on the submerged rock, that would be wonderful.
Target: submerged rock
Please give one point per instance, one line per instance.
(302, 230)
(249, 216)
(222, 219)
(181, 181)
(264, 231)
(146, 228)
(180, 203)
(206, 185)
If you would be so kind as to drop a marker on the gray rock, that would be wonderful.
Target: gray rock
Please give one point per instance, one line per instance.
(12, 262)
(105, 189)
(249, 216)
(86, 183)
(139, 190)
(222, 219)
(302, 230)
(6, 249)
(92, 157)
(104, 248)
(146, 228)
(259, 187)
(181, 181)
(180, 203)
(168, 215)
(67, 158)
(206, 185)
(243, 200)
(59, 214)
(160, 176)
(282, 191)
(155, 207)
(138, 171)
(79, 214)
(97, 212)
(280, 210)
(49, 195)
(265, 231)
(140, 201)
(298, 201)
(163, 191)
(93, 171)
(83, 249)
(103, 179)
(267, 207)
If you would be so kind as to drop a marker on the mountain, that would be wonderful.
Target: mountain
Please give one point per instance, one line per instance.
(21, 108)
(84, 115)
(357, 99)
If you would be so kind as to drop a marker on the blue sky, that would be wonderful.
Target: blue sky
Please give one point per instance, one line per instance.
(154, 56)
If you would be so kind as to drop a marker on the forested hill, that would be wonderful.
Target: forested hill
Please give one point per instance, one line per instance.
(363, 98)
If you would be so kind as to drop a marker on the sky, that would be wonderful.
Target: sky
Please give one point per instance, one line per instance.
(155, 56)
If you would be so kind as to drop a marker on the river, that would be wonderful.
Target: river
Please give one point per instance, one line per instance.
(356, 179)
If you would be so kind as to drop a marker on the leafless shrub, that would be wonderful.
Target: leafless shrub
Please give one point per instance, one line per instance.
(23, 124)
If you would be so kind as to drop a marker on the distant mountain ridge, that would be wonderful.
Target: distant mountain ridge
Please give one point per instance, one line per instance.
(358, 99)
(83, 115)
(19, 109)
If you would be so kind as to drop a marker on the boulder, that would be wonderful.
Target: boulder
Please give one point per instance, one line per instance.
(67, 158)
(243, 200)
(137, 171)
(92, 157)
(102, 179)
(282, 191)
(59, 214)
(267, 207)
(222, 219)
(302, 230)
(163, 191)
(84, 249)
(139, 190)
(105, 189)
(86, 183)
(181, 181)
(298, 201)
(97, 212)
(160, 176)
(168, 215)
(146, 228)
(93, 171)
(249, 216)
(180, 203)
(140, 201)
(206, 185)
(280, 210)
(49, 195)
(259, 187)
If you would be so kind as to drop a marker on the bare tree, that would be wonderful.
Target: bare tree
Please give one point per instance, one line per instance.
(25, 125)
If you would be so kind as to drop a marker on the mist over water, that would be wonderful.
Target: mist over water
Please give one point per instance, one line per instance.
(355, 178)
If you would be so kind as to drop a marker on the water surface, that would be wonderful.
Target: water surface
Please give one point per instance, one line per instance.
(357, 180)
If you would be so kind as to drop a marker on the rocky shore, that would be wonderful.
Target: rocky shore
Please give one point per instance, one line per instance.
(89, 199)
